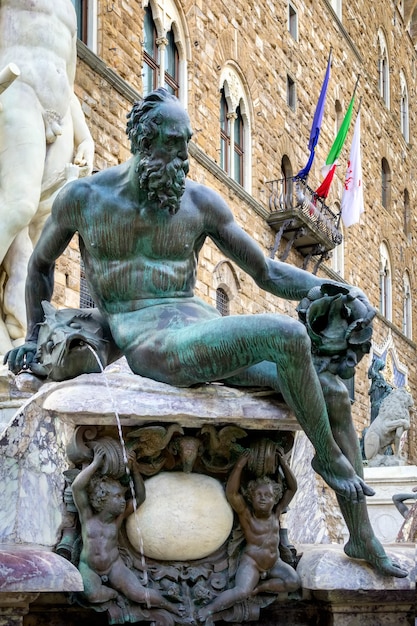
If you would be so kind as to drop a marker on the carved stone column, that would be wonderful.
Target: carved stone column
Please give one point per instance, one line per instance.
(162, 43)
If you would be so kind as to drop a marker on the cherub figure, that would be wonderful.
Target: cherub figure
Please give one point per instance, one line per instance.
(260, 568)
(102, 508)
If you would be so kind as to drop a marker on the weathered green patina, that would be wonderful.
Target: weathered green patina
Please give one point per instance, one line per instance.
(141, 228)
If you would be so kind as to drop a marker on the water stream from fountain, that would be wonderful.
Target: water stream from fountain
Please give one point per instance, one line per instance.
(128, 472)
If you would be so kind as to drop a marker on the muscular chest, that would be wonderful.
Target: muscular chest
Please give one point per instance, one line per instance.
(128, 233)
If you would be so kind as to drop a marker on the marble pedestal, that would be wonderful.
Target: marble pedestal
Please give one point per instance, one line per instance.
(32, 461)
(388, 481)
(352, 593)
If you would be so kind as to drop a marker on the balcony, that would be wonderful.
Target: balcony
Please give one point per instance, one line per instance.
(303, 220)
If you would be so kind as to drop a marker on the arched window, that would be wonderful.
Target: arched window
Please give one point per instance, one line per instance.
(235, 128)
(232, 133)
(385, 184)
(404, 109)
(165, 50)
(222, 302)
(407, 213)
(385, 283)
(86, 11)
(383, 69)
(226, 286)
(407, 307)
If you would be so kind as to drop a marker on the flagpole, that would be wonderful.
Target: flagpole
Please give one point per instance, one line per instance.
(317, 120)
(356, 85)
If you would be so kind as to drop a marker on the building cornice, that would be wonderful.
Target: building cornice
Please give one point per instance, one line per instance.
(97, 65)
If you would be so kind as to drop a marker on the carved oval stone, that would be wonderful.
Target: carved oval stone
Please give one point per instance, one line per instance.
(184, 517)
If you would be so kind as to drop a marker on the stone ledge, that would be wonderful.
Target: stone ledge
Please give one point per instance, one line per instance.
(349, 592)
(88, 399)
(391, 475)
(327, 572)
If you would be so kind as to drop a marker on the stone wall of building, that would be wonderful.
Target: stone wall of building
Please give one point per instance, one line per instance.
(255, 39)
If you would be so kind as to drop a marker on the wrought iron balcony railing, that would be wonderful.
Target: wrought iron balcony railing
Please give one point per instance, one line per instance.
(302, 218)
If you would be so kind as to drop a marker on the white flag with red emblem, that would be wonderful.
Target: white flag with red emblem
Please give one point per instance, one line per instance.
(352, 199)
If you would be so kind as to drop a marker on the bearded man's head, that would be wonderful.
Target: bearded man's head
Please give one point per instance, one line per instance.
(164, 182)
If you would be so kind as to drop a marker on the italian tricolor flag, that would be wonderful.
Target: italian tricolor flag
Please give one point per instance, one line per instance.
(331, 161)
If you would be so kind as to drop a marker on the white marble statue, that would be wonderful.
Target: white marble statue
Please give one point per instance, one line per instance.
(42, 132)
(387, 429)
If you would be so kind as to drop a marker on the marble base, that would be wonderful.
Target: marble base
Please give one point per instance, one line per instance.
(388, 481)
(353, 593)
(336, 590)
(28, 569)
(33, 446)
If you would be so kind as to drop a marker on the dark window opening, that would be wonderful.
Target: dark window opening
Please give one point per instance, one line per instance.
(81, 9)
(86, 301)
(222, 302)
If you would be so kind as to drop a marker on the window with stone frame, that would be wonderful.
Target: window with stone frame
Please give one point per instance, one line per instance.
(407, 213)
(165, 49)
(222, 302)
(151, 68)
(385, 184)
(385, 283)
(238, 147)
(291, 96)
(171, 65)
(292, 21)
(407, 307)
(224, 134)
(226, 286)
(235, 128)
(231, 124)
(86, 301)
(404, 109)
(86, 11)
(384, 69)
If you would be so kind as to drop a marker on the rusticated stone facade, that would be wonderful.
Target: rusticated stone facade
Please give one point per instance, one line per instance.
(254, 38)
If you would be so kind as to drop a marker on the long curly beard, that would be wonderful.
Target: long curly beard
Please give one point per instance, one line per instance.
(164, 182)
